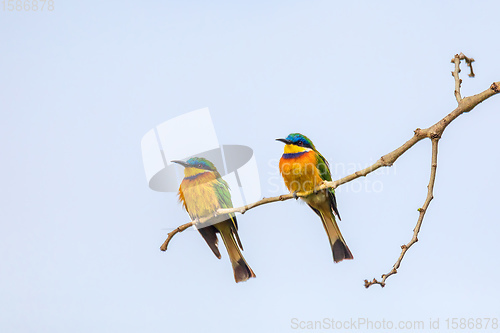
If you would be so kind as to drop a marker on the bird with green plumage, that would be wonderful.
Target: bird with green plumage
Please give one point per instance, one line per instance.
(303, 169)
(203, 192)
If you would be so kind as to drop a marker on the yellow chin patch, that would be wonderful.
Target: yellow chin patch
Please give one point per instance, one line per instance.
(189, 172)
(292, 149)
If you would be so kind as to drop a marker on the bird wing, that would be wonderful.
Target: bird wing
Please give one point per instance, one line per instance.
(208, 233)
(325, 174)
(323, 167)
(224, 196)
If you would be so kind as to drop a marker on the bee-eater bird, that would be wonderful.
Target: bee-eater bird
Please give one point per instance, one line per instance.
(202, 192)
(303, 168)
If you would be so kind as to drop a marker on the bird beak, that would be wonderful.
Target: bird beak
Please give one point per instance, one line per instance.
(184, 164)
(284, 141)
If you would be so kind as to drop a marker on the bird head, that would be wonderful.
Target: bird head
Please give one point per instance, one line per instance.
(296, 143)
(197, 165)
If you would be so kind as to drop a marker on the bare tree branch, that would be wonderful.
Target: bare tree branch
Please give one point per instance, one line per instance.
(435, 136)
(456, 60)
(433, 132)
(422, 211)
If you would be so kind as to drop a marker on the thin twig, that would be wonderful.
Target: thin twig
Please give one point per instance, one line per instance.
(241, 210)
(173, 232)
(422, 211)
(469, 62)
(455, 74)
(456, 60)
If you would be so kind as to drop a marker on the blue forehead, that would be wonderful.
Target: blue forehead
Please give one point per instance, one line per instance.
(297, 137)
(200, 160)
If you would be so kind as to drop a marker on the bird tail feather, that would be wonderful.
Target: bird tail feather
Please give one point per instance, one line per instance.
(337, 242)
(242, 270)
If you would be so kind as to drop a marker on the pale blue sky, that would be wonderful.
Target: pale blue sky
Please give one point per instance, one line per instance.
(80, 229)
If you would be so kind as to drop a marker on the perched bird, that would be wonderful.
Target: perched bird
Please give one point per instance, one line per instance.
(202, 192)
(303, 168)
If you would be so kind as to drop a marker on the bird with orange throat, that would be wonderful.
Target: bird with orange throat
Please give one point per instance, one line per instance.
(303, 168)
